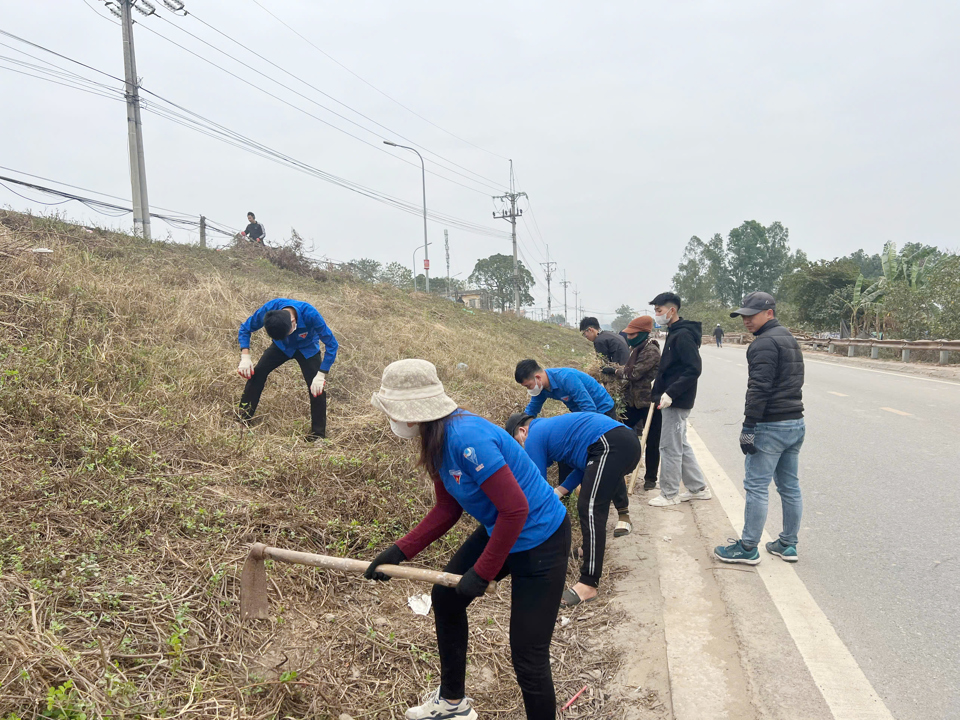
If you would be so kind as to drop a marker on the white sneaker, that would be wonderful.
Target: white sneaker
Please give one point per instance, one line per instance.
(436, 708)
(661, 501)
(687, 496)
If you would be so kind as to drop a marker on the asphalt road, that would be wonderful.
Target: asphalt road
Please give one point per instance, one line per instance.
(880, 540)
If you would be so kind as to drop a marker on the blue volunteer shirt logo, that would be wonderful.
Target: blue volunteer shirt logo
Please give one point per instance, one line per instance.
(470, 455)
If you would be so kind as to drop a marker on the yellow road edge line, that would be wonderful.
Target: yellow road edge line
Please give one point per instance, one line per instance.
(897, 412)
(841, 681)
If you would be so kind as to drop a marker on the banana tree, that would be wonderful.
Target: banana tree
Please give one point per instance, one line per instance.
(861, 300)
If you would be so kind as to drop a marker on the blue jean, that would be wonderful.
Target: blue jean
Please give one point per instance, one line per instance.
(778, 459)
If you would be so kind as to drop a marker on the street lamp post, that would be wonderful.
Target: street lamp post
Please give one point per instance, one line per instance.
(426, 254)
(415, 251)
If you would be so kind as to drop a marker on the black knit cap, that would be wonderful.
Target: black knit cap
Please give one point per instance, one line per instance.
(515, 421)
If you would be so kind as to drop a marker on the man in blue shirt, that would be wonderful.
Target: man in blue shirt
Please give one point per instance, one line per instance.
(574, 388)
(297, 330)
(599, 451)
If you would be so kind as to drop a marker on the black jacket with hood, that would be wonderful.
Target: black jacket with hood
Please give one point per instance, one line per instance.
(680, 364)
(775, 382)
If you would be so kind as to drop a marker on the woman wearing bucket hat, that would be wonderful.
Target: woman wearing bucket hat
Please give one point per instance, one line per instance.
(524, 532)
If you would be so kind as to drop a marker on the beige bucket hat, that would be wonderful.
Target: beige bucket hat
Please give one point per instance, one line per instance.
(410, 391)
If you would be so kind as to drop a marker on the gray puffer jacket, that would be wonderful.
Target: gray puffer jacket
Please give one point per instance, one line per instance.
(775, 384)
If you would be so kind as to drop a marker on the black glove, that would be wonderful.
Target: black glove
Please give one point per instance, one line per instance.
(472, 585)
(608, 370)
(393, 555)
(748, 436)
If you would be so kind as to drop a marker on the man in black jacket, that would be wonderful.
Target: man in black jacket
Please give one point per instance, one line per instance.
(609, 345)
(772, 433)
(254, 232)
(718, 335)
(674, 391)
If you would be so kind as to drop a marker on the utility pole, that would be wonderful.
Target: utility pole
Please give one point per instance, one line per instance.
(576, 306)
(138, 170)
(446, 245)
(548, 268)
(203, 231)
(565, 283)
(511, 216)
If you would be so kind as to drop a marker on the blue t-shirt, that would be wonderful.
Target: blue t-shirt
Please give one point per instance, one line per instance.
(575, 389)
(311, 330)
(473, 450)
(566, 438)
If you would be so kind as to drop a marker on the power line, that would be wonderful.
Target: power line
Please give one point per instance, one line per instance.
(489, 182)
(366, 82)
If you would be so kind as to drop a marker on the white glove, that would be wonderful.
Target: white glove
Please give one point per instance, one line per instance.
(319, 382)
(665, 401)
(246, 366)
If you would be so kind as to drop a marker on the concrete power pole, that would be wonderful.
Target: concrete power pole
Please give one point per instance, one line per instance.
(203, 231)
(511, 216)
(446, 245)
(576, 306)
(138, 169)
(565, 283)
(548, 268)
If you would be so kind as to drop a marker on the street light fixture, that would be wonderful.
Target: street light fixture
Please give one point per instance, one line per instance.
(426, 254)
(415, 251)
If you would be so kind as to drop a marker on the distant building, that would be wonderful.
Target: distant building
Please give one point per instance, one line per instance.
(477, 298)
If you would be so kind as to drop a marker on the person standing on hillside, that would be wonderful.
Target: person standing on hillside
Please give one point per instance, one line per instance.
(638, 375)
(599, 451)
(524, 532)
(254, 232)
(574, 388)
(674, 391)
(610, 346)
(718, 335)
(297, 330)
(772, 434)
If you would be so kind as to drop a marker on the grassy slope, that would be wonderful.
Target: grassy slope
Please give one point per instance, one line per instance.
(128, 492)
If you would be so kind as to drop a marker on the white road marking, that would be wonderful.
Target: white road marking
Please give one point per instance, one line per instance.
(844, 687)
(740, 365)
(882, 372)
(897, 412)
(831, 392)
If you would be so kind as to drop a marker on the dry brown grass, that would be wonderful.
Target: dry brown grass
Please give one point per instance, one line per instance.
(129, 492)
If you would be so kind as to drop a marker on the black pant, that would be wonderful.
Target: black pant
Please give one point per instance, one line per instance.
(621, 500)
(637, 418)
(614, 455)
(273, 358)
(538, 579)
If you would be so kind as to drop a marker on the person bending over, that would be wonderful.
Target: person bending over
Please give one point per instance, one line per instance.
(524, 532)
(599, 451)
(609, 345)
(297, 330)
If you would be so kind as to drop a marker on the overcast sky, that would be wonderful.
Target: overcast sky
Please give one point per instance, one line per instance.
(632, 125)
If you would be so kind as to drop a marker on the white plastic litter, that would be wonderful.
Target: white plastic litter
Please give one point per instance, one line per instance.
(42, 251)
(461, 366)
(420, 604)
(564, 621)
(546, 347)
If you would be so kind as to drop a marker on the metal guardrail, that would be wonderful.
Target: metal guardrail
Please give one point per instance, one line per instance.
(904, 346)
(734, 338)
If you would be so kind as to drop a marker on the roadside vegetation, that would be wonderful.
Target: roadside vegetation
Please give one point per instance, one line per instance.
(130, 492)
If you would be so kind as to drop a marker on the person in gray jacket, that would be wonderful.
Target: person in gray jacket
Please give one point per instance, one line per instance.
(612, 347)
(772, 434)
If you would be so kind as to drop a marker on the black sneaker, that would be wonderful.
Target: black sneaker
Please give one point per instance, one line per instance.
(313, 437)
(650, 484)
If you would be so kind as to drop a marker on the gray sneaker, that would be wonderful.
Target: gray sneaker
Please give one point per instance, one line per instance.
(687, 496)
(435, 707)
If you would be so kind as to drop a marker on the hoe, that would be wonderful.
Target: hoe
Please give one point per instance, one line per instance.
(253, 578)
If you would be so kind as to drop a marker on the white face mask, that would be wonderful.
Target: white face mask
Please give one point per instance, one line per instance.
(661, 319)
(536, 391)
(402, 430)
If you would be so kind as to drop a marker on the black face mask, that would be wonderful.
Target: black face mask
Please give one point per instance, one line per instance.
(633, 342)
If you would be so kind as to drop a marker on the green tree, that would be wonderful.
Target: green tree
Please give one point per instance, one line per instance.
(366, 269)
(495, 274)
(943, 291)
(625, 314)
(397, 274)
(757, 258)
(692, 280)
(815, 288)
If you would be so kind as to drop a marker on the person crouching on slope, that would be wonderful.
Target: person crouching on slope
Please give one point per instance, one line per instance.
(524, 532)
(600, 452)
(574, 388)
(297, 330)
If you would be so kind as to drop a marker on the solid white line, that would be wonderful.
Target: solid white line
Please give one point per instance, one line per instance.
(908, 376)
(844, 687)
(831, 392)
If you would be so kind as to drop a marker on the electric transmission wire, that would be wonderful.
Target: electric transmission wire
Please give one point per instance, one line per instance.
(376, 146)
(494, 184)
(366, 82)
(194, 121)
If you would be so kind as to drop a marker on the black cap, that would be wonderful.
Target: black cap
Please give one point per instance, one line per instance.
(755, 302)
(515, 421)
